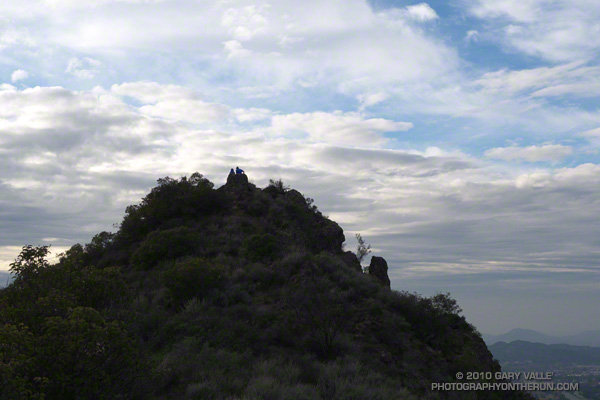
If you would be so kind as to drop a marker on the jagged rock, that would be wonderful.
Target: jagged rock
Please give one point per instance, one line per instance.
(379, 270)
(237, 180)
(328, 236)
(350, 259)
(238, 187)
(296, 197)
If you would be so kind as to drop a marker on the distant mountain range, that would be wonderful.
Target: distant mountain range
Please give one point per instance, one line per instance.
(586, 338)
(520, 351)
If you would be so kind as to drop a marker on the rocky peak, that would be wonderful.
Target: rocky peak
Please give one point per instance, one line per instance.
(238, 187)
(237, 180)
(350, 259)
(379, 270)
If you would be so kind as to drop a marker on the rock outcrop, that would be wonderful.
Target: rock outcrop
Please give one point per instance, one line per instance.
(328, 236)
(295, 197)
(238, 188)
(237, 181)
(325, 234)
(379, 270)
(350, 259)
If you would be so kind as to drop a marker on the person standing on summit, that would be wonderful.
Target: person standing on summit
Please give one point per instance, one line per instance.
(238, 171)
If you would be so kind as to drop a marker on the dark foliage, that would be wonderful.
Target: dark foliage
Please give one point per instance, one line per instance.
(171, 201)
(276, 187)
(58, 337)
(164, 245)
(234, 293)
(193, 278)
(260, 247)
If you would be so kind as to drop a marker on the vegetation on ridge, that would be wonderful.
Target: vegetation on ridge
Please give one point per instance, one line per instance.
(229, 293)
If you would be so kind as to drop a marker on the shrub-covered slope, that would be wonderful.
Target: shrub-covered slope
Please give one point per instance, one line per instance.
(229, 293)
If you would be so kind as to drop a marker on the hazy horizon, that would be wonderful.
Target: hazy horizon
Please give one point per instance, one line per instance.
(462, 141)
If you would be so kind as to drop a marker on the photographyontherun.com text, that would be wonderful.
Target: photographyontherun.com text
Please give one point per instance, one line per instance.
(534, 385)
(528, 386)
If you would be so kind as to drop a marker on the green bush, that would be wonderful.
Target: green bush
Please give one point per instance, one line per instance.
(83, 354)
(41, 290)
(257, 208)
(185, 198)
(100, 288)
(166, 245)
(198, 371)
(78, 356)
(276, 187)
(17, 364)
(260, 247)
(193, 278)
(347, 379)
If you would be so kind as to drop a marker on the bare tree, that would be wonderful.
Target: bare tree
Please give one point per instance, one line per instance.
(362, 249)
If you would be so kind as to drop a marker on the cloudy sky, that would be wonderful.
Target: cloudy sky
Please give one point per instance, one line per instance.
(460, 139)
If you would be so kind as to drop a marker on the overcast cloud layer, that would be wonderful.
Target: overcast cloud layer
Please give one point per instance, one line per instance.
(462, 142)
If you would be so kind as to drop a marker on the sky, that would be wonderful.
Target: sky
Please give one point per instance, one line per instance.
(459, 138)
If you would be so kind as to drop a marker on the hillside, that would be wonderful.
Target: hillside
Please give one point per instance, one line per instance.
(229, 293)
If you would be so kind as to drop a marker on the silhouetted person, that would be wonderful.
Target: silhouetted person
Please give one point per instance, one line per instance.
(231, 172)
(239, 171)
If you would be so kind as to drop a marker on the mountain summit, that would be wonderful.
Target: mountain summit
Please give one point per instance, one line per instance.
(229, 293)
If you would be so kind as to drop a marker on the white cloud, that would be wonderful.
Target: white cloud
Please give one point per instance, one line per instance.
(549, 152)
(514, 81)
(179, 104)
(421, 12)
(348, 129)
(84, 68)
(559, 30)
(518, 98)
(338, 40)
(517, 10)
(592, 133)
(371, 99)
(471, 36)
(252, 114)
(151, 92)
(288, 41)
(235, 49)
(11, 38)
(245, 22)
(19, 75)
(587, 88)
(190, 110)
(268, 51)
(172, 102)
(499, 102)
(60, 120)
(93, 3)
